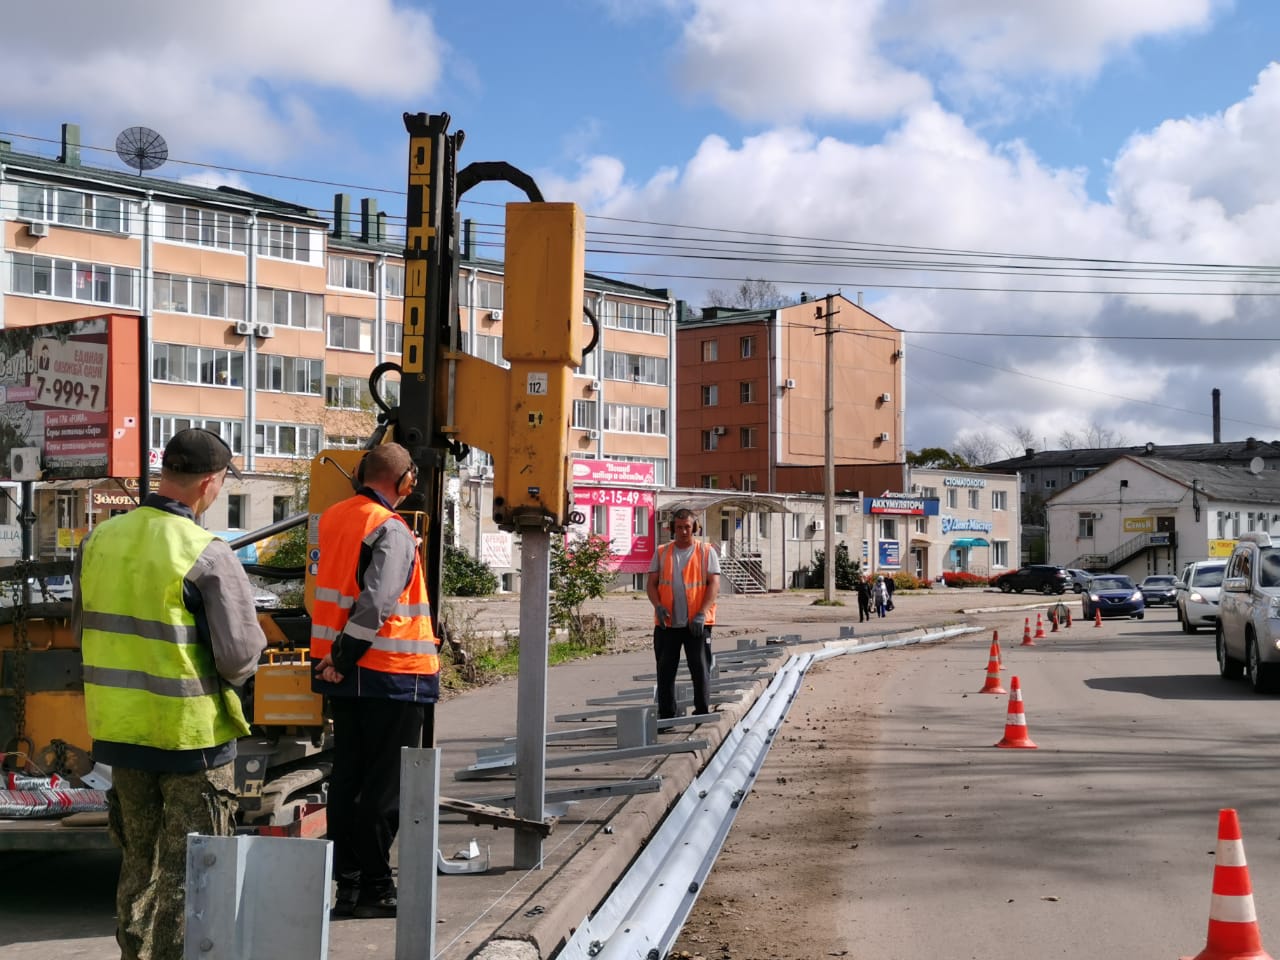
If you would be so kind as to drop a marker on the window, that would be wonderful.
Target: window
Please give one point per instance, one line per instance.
(798, 523)
(929, 493)
(749, 482)
(584, 415)
(235, 511)
(199, 366)
(289, 374)
(922, 524)
(841, 522)
(710, 350)
(393, 337)
(1051, 484)
(888, 528)
(641, 317)
(953, 499)
(290, 308)
(710, 440)
(206, 228)
(72, 208)
(709, 481)
(489, 294)
(164, 427)
(394, 274)
(350, 333)
(747, 346)
(747, 437)
(973, 499)
(279, 508)
(632, 418)
(747, 391)
(762, 524)
(999, 500)
(352, 393)
(710, 395)
(999, 553)
(640, 522)
(351, 273)
(73, 280)
(284, 241)
(286, 440)
(636, 367)
(194, 295)
(1080, 474)
(1084, 526)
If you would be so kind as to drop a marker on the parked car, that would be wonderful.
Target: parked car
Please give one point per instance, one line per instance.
(1078, 579)
(1159, 589)
(1042, 577)
(1248, 632)
(1198, 589)
(1112, 595)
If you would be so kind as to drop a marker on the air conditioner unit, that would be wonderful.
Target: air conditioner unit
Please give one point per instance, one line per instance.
(789, 384)
(593, 434)
(719, 431)
(886, 397)
(265, 330)
(818, 524)
(244, 328)
(595, 385)
(24, 463)
(495, 314)
(884, 436)
(39, 229)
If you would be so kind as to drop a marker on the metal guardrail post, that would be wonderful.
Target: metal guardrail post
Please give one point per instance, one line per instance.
(419, 843)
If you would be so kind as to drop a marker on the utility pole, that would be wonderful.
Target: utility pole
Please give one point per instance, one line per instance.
(829, 460)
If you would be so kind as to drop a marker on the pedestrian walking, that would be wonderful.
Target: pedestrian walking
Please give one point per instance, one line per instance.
(889, 584)
(881, 595)
(863, 590)
(165, 618)
(378, 663)
(683, 583)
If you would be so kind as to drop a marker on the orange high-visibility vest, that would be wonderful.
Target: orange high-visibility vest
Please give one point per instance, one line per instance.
(695, 579)
(405, 643)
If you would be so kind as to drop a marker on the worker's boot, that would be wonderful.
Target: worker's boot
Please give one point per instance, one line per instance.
(348, 895)
(380, 901)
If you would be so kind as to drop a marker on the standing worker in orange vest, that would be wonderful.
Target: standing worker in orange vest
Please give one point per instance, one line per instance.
(378, 663)
(684, 581)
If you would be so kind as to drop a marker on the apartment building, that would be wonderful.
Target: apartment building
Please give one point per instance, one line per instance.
(266, 319)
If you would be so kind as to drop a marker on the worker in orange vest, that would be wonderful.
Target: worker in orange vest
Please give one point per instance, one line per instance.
(683, 583)
(378, 664)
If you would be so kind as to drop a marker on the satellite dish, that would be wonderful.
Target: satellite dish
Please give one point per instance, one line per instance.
(141, 148)
(1255, 466)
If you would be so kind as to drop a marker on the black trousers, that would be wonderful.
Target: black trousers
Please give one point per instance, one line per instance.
(667, 644)
(364, 788)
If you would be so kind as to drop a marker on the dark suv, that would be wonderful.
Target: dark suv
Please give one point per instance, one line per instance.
(1042, 577)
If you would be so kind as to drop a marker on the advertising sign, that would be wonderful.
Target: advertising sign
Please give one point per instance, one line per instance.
(612, 471)
(1139, 524)
(901, 504)
(1221, 548)
(890, 553)
(495, 549)
(71, 390)
(619, 506)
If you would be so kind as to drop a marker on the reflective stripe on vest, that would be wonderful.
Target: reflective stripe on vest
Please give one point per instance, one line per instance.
(405, 643)
(148, 680)
(695, 580)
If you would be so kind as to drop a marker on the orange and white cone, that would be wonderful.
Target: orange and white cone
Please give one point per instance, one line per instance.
(1233, 922)
(1068, 618)
(1015, 725)
(1039, 627)
(1053, 618)
(993, 671)
(995, 642)
(1097, 617)
(1026, 633)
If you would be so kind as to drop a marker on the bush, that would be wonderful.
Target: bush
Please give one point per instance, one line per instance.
(906, 581)
(465, 576)
(847, 571)
(581, 570)
(962, 579)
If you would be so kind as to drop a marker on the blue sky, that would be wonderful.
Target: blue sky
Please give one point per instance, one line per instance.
(1136, 131)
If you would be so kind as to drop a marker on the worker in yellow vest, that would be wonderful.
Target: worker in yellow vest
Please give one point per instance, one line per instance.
(378, 663)
(165, 618)
(683, 583)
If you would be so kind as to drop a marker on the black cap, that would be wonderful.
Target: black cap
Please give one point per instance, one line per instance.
(198, 451)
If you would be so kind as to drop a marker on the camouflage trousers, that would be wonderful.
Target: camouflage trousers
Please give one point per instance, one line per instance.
(150, 815)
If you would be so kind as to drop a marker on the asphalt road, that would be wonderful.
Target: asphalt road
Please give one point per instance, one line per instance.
(1098, 843)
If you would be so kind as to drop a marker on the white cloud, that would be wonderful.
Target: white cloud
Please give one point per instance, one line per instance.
(234, 74)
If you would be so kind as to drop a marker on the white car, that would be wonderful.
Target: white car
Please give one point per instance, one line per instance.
(1198, 589)
(1248, 634)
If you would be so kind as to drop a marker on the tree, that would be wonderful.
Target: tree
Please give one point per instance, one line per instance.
(939, 458)
(847, 571)
(1094, 436)
(581, 570)
(976, 448)
(749, 295)
(465, 576)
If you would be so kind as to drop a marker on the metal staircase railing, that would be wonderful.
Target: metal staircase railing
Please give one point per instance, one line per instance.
(1126, 551)
(746, 573)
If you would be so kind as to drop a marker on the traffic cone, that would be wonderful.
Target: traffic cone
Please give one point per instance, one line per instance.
(1233, 922)
(1053, 618)
(1039, 627)
(1097, 617)
(993, 672)
(1026, 633)
(1068, 618)
(1015, 724)
(995, 642)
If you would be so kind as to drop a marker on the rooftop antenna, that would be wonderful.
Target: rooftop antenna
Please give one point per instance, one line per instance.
(141, 148)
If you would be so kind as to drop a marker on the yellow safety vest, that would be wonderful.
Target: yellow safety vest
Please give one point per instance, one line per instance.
(148, 680)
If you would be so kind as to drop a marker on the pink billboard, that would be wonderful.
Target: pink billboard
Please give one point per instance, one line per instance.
(616, 513)
(622, 472)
